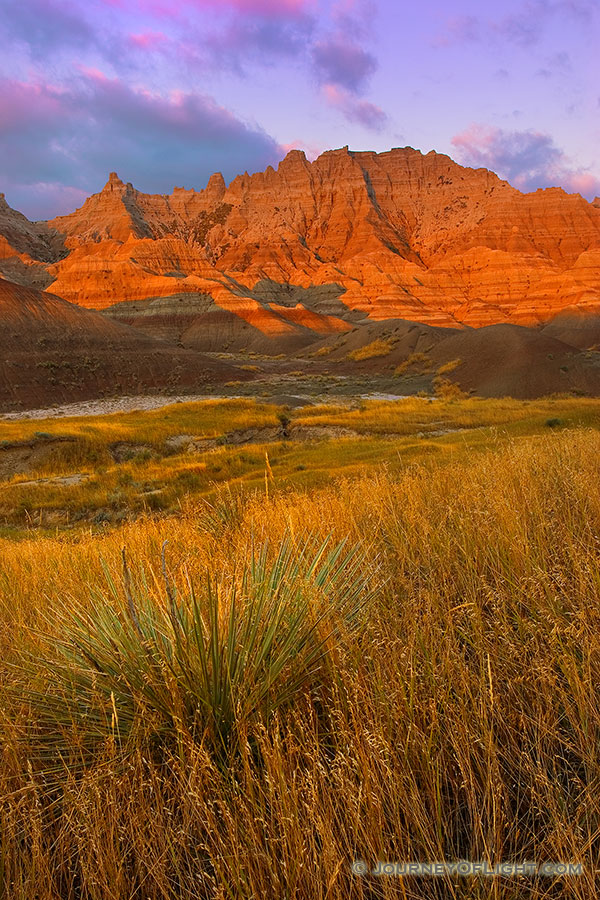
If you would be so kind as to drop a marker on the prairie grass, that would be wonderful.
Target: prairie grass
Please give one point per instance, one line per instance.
(460, 720)
(449, 367)
(412, 414)
(378, 347)
(203, 665)
(160, 478)
(446, 389)
(419, 362)
(209, 418)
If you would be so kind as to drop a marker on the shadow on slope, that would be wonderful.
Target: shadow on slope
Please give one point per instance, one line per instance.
(55, 352)
(493, 361)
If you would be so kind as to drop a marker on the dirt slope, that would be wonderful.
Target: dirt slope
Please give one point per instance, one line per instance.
(54, 352)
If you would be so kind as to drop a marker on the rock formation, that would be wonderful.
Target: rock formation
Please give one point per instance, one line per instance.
(310, 248)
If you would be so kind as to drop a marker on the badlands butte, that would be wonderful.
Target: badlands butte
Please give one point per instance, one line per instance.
(358, 270)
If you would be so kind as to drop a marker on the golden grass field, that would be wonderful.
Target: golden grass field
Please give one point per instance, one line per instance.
(155, 476)
(186, 723)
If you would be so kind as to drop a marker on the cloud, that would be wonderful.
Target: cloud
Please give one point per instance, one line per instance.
(460, 30)
(42, 200)
(354, 18)
(276, 9)
(199, 32)
(46, 26)
(343, 67)
(557, 65)
(258, 40)
(237, 31)
(211, 36)
(311, 151)
(343, 63)
(527, 159)
(69, 139)
(149, 40)
(354, 109)
(524, 28)
(367, 114)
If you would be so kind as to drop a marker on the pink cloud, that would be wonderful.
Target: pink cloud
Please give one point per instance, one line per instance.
(17, 100)
(460, 29)
(311, 150)
(362, 112)
(342, 62)
(148, 40)
(51, 199)
(528, 159)
(93, 74)
(524, 27)
(272, 9)
(583, 183)
(277, 8)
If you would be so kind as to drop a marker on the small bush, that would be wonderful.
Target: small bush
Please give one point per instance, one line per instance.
(450, 366)
(417, 361)
(444, 389)
(197, 666)
(284, 421)
(553, 423)
(378, 347)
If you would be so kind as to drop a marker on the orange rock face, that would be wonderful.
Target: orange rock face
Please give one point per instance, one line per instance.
(351, 235)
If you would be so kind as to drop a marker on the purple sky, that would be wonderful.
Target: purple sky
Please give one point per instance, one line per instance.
(165, 92)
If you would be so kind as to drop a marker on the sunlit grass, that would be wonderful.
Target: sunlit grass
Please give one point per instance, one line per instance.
(207, 661)
(413, 414)
(378, 347)
(160, 477)
(209, 418)
(461, 720)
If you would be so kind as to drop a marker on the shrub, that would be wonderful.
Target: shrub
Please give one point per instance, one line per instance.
(444, 389)
(418, 361)
(450, 366)
(197, 666)
(284, 421)
(378, 347)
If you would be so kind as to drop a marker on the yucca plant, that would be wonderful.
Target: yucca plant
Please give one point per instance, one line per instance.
(198, 665)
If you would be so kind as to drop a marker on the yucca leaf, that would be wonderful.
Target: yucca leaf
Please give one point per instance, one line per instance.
(207, 664)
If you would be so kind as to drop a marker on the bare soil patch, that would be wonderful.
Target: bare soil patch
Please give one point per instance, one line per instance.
(22, 457)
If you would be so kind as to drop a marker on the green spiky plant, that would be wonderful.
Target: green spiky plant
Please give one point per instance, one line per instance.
(202, 666)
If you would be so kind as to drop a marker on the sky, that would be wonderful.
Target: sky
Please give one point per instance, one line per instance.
(166, 92)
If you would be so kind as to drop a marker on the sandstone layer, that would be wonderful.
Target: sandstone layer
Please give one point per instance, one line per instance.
(309, 249)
